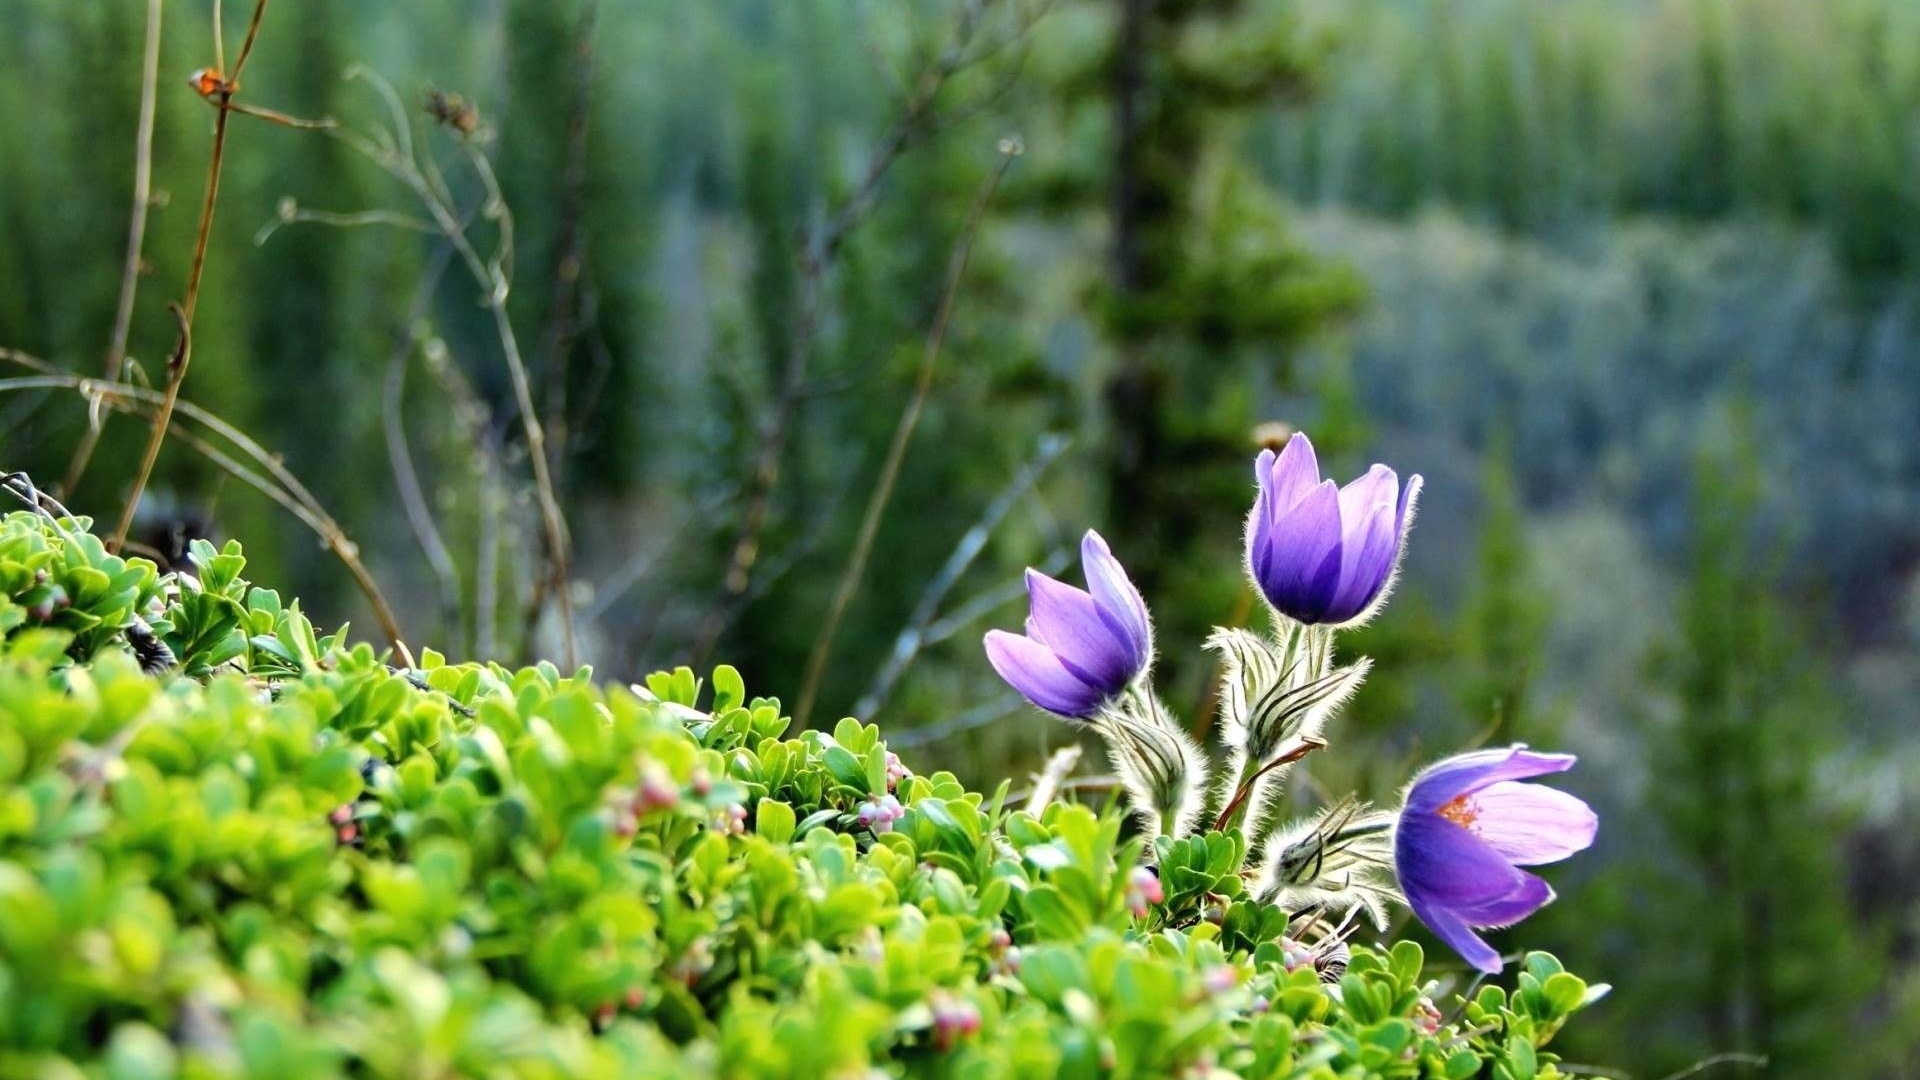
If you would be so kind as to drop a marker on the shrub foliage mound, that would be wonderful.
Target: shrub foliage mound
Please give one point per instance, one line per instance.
(230, 846)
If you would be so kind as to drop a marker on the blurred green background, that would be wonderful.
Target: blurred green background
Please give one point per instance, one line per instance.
(1631, 282)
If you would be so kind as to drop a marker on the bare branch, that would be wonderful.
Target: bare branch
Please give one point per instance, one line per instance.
(284, 488)
(913, 637)
(223, 88)
(136, 241)
(902, 437)
(819, 254)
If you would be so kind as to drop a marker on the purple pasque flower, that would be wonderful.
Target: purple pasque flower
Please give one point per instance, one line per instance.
(1323, 553)
(1467, 828)
(1082, 646)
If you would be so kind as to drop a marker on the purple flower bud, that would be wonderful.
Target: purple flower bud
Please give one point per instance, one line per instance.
(896, 772)
(1467, 828)
(1082, 647)
(1322, 553)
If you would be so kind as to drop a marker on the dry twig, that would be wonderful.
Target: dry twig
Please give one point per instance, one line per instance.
(219, 88)
(279, 484)
(136, 241)
(395, 153)
(916, 635)
(902, 437)
(918, 117)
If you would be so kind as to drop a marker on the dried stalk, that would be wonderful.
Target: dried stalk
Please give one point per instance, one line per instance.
(177, 364)
(1047, 784)
(914, 636)
(413, 500)
(283, 488)
(818, 257)
(396, 155)
(979, 716)
(136, 240)
(902, 437)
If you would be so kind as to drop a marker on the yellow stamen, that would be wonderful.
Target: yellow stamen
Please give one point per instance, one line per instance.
(1461, 812)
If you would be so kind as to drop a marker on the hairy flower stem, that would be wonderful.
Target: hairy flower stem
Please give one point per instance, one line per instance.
(1236, 809)
(1315, 652)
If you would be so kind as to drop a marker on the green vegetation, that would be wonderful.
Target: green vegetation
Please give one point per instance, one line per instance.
(1542, 117)
(306, 863)
(1540, 250)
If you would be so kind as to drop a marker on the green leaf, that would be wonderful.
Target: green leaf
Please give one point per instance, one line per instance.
(846, 768)
(729, 692)
(773, 820)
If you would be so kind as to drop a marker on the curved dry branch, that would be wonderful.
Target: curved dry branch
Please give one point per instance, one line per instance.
(283, 487)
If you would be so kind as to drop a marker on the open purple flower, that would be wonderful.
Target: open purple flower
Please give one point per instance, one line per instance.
(1082, 647)
(1322, 553)
(1467, 828)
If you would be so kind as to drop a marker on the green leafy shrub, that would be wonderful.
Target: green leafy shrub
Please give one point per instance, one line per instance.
(305, 863)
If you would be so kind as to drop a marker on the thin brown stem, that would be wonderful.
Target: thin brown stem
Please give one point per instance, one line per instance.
(816, 260)
(136, 240)
(283, 487)
(902, 436)
(396, 155)
(246, 47)
(182, 354)
(275, 116)
(219, 39)
(1244, 789)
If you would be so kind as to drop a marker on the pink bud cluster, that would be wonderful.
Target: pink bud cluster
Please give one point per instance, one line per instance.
(879, 814)
(954, 1019)
(1143, 891)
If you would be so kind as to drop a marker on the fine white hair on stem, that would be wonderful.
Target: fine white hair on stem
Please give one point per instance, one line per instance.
(1163, 769)
(1336, 860)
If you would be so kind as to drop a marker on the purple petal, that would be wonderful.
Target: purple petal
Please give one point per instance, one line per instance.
(1301, 567)
(1448, 866)
(1379, 487)
(1119, 602)
(1289, 478)
(1454, 881)
(1067, 621)
(1531, 824)
(1366, 561)
(1033, 670)
(1441, 783)
(1403, 516)
(1529, 896)
(1459, 937)
(1260, 518)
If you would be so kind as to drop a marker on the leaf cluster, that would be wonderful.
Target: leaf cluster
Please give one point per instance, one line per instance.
(287, 859)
